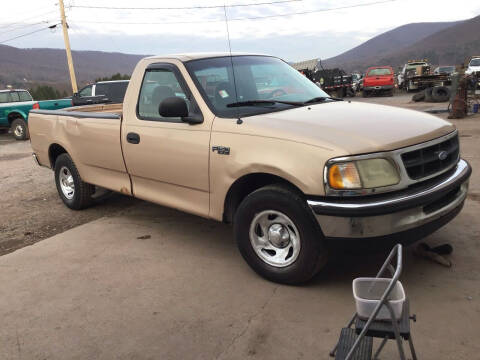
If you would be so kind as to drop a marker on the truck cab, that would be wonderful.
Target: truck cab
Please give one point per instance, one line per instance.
(101, 92)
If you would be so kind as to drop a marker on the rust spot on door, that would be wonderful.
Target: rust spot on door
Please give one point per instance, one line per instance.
(125, 191)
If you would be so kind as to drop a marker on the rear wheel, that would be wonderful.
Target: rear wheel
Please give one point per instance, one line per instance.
(278, 235)
(74, 192)
(365, 93)
(19, 129)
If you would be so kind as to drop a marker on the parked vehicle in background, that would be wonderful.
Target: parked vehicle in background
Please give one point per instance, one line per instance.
(357, 81)
(473, 65)
(101, 92)
(473, 70)
(294, 174)
(15, 106)
(410, 69)
(378, 80)
(417, 75)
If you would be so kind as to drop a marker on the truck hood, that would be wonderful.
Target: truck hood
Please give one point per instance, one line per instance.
(348, 128)
(472, 69)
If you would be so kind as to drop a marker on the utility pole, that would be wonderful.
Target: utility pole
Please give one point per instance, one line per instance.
(73, 79)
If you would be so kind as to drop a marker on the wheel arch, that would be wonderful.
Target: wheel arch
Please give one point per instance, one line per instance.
(15, 114)
(54, 151)
(245, 185)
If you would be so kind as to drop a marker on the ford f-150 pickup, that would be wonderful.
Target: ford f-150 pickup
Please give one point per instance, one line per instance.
(15, 106)
(294, 173)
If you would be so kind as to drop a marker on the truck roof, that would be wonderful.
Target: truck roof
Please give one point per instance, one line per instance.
(111, 81)
(196, 56)
(10, 90)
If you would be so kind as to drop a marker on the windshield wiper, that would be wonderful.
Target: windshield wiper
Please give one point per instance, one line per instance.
(321, 99)
(263, 102)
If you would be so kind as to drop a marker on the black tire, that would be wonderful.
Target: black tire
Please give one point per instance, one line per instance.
(440, 94)
(390, 92)
(419, 96)
(311, 254)
(428, 94)
(365, 93)
(19, 129)
(82, 191)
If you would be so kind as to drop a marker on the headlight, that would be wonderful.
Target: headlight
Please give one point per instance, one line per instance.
(362, 174)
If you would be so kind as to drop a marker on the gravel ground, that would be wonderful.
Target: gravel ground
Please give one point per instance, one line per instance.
(31, 209)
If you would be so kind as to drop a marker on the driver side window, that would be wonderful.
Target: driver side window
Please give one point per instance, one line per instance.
(157, 85)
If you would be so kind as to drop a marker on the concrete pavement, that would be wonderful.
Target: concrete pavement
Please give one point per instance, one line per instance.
(154, 283)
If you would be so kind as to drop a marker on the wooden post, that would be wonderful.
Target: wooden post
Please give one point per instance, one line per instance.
(67, 47)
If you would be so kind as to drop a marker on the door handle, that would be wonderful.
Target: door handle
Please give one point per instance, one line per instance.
(133, 138)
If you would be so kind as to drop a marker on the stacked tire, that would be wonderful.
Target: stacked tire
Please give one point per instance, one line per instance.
(433, 94)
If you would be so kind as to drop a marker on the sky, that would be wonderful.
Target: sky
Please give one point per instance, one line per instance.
(292, 29)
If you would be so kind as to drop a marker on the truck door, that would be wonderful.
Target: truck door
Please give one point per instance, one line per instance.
(166, 158)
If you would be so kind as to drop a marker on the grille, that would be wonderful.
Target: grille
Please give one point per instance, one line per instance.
(426, 161)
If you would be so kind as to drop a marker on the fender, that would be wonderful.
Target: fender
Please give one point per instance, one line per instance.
(18, 111)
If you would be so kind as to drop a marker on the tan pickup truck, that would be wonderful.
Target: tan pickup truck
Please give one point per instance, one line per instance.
(246, 139)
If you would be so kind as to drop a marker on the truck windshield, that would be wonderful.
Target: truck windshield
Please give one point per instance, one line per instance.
(475, 62)
(379, 72)
(257, 79)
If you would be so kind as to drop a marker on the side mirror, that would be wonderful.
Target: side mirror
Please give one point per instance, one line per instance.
(173, 107)
(177, 107)
(75, 94)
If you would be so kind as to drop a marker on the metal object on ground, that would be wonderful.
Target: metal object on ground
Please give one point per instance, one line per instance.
(458, 98)
(358, 345)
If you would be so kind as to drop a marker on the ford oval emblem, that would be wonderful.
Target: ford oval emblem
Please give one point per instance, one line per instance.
(442, 155)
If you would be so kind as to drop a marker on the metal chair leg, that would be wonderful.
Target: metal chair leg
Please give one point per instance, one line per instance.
(412, 349)
(384, 341)
(396, 331)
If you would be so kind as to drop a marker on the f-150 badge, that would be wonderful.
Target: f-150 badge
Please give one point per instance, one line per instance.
(221, 150)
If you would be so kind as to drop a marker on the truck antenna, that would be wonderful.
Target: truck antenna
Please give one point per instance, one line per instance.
(230, 50)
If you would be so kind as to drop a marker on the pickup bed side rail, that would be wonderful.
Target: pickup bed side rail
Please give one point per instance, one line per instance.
(78, 114)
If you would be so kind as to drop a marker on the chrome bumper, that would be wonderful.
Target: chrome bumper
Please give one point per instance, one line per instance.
(392, 213)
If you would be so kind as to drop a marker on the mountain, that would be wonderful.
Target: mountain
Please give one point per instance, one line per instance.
(23, 67)
(441, 43)
(450, 46)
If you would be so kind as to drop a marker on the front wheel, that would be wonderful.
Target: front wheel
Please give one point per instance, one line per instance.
(278, 235)
(74, 192)
(19, 129)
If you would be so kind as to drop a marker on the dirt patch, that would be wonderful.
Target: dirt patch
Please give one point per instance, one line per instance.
(474, 197)
(9, 157)
(31, 208)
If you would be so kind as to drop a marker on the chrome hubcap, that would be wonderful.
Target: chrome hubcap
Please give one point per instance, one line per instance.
(66, 183)
(275, 238)
(18, 131)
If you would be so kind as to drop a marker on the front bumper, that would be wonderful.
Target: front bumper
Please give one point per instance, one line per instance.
(384, 215)
(378, 88)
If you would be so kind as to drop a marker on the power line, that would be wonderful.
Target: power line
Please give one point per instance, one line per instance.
(183, 8)
(3, 26)
(26, 26)
(30, 33)
(241, 18)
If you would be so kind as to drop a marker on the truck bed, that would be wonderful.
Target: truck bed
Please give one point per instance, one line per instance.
(90, 134)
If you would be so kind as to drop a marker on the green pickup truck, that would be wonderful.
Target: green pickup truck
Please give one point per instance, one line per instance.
(15, 106)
